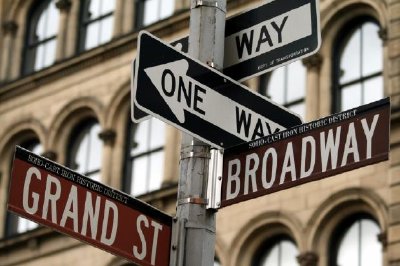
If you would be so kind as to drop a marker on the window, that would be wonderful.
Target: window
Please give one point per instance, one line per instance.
(85, 149)
(40, 51)
(150, 11)
(14, 223)
(358, 66)
(286, 86)
(355, 242)
(145, 156)
(278, 251)
(97, 22)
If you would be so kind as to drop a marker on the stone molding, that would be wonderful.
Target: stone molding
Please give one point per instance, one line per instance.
(51, 155)
(108, 136)
(308, 258)
(9, 27)
(313, 62)
(64, 5)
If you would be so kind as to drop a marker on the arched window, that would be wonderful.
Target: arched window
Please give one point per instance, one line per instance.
(97, 21)
(41, 37)
(145, 156)
(278, 251)
(355, 242)
(84, 149)
(358, 63)
(151, 11)
(14, 223)
(286, 86)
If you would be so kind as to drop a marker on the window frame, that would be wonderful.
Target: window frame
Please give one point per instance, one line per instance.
(129, 159)
(267, 246)
(31, 45)
(340, 231)
(12, 220)
(85, 21)
(77, 134)
(264, 87)
(140, 14)
(340, 42)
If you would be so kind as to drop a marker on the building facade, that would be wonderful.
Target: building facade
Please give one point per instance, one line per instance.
(65, 69)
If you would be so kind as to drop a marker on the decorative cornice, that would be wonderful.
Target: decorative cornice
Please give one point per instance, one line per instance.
(63, 5)
(51, 155)
(9, 27)
(308, 258)
(108, 136)
(313, 62)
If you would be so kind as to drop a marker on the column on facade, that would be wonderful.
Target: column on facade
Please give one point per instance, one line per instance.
(308, 258)
(62, 39)
(313, 64)
(9, 29)
(108, 138)
(181, 5)
(171, 156)
(124, 15)
(391, 38)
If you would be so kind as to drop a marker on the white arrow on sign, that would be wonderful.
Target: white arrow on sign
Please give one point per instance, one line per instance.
(182, 92)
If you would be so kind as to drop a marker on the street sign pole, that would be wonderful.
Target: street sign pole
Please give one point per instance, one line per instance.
(195, 228)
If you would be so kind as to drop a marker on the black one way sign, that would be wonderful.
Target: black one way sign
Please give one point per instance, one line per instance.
(201, 101)
(264, 38)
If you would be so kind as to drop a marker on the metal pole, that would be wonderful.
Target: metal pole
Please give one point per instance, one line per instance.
(194, 228)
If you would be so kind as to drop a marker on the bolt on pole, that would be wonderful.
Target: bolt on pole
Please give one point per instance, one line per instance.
(194, 226)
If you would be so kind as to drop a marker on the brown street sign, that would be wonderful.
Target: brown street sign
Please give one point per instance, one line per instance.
(308, 152)
(50, 194)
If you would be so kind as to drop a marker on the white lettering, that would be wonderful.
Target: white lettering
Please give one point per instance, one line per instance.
(250, 172)
(233, 177)
(72, 202)
(265, 183)
(288, 164)
(141, 255)
(311, 141)
(48, 196)
(329, 147)
(351, 145)
(109, 205)
(89, 213)
(369, 132)
(35, 196)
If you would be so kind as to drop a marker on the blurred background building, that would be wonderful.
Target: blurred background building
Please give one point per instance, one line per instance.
(65, 68)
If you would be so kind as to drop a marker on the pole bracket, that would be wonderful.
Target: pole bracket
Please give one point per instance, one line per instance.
(192, 200)
(215, 179)
(221, 5)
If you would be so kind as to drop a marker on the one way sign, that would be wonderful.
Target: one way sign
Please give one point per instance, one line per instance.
(201, 101)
